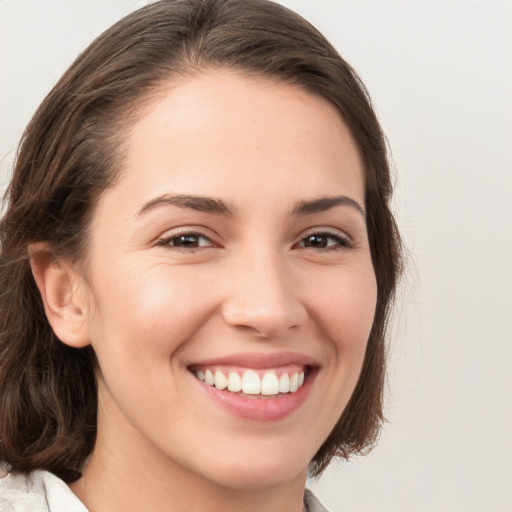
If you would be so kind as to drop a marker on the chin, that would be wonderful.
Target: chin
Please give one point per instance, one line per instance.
(257, 479)
(260, 469)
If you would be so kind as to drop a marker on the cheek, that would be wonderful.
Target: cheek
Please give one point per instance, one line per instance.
(344, 306)
(138, 326)
(343, 311)
(147, 316)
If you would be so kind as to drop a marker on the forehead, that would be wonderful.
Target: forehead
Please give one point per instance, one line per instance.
(225, 134)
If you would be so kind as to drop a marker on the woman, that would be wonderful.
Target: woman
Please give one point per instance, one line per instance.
(199, 261)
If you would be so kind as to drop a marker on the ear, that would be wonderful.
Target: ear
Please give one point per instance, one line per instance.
(62, 292)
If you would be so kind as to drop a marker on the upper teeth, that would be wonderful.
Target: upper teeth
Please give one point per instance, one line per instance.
(251, 383)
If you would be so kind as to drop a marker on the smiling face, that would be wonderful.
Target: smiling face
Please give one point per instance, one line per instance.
(231, 254)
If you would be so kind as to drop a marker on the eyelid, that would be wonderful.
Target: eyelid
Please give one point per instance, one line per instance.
(348, 242)
(327, 231)
(164, 239)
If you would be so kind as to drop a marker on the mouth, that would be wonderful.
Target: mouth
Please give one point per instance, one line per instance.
(254, 382)
(257, 387)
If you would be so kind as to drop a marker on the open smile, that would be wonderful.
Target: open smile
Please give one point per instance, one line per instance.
(253, 382)
(257, 387)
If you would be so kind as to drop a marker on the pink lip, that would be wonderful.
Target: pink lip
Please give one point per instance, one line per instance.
(261, 409)
(259, 361)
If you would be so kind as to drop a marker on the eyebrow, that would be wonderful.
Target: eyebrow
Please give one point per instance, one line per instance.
(198, 203)
(219, 207)
(326, 203)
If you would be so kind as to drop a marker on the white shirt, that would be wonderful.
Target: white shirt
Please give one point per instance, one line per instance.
(40, 491)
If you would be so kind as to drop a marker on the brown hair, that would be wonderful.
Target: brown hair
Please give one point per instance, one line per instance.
(72, 150)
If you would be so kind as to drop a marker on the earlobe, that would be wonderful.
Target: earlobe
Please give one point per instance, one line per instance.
(58, 285)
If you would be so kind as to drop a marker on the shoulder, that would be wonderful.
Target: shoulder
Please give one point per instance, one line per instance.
(20, 493)
(311, 503)
(39, 491)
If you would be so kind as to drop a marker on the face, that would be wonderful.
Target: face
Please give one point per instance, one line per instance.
(229, 281)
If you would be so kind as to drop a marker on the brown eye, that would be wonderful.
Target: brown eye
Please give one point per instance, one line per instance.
(316, 241)
(186, 241)
(325, 241)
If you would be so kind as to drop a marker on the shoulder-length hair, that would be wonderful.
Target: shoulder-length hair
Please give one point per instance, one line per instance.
(72, 150)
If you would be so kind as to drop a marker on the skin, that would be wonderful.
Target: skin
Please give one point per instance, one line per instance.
(253, 285)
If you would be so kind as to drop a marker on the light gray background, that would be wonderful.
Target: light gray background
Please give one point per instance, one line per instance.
(440, 73)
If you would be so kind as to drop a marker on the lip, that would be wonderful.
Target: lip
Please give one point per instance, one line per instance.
(260, 409)
(259, 361)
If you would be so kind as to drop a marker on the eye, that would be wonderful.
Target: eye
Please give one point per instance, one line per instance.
(186, 241)
(325, 241)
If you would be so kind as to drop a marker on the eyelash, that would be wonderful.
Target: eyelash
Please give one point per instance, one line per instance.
(341, 242)
(167, 241)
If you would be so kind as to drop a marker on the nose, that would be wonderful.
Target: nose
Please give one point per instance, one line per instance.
(262, 297)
